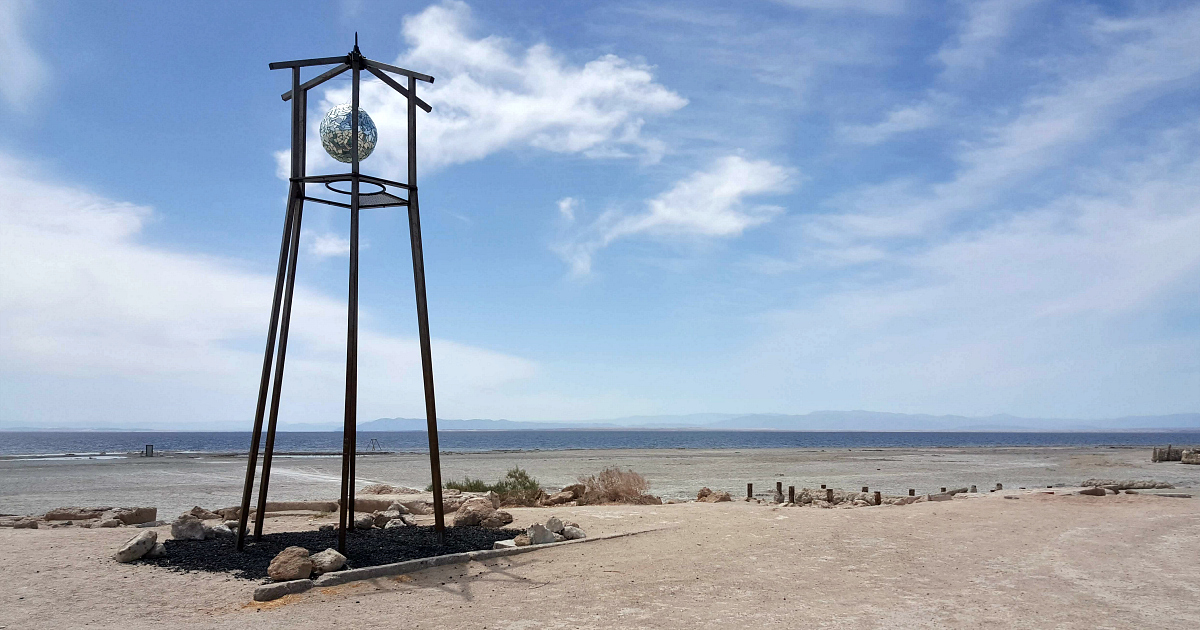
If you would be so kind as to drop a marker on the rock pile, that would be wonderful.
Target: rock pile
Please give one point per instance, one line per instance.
(569, 495)
(554, 530)
(709, 496)
(828, 498)
(187, 527)
(99, 516)
(1128, 484)
(383, 488)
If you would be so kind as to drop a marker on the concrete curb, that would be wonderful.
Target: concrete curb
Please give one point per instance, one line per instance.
(268, 592)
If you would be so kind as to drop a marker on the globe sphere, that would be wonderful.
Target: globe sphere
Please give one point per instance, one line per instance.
(336, 134)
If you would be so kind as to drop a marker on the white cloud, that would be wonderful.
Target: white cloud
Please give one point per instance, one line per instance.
(902, 120)
(566, 208)
(22, 71)
(987, 25)
(329, 245)
(880, 7)
(99, 328)
(709, 203)
(491, 95)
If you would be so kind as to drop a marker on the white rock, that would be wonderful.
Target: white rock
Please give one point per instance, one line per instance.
(137, 546)
(364, 521)
(505, 544)
(573, 533)
(539, 535)
(397, 522)
(109, 522)
(157, 552)
(554, 524)
(221, 531)
(326, 561)
(187, 527)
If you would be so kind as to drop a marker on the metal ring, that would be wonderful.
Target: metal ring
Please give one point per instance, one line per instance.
(382, 188)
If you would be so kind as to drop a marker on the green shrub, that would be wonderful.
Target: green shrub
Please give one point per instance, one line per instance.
(516, 487)
(468, 485)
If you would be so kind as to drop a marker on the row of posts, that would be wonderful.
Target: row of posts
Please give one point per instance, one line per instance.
(912, 492)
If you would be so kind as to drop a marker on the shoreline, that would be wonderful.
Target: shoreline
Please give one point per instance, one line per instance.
(176, 482)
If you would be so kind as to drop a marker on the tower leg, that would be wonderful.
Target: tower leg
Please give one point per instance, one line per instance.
(418, 256)
(284, 326)
(264, 382)
(350, 422)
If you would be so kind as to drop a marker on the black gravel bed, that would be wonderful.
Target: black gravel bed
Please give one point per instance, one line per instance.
(364, 548)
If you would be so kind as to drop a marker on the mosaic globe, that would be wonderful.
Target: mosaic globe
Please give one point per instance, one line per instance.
(336, 134)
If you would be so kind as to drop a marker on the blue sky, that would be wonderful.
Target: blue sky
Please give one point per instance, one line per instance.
(628, 208)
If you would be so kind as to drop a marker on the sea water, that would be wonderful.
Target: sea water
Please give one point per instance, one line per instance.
(94, 443)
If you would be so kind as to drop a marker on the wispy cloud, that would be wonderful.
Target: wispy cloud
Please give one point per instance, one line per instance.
(913, 117)
(328, 245)
(986, 26)
(1077, 306)
(1147, 58)
(493, 95)
(880, 7)
(22, 71)
(710, 203)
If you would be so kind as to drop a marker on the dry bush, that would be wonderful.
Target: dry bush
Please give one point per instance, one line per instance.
(614, 485)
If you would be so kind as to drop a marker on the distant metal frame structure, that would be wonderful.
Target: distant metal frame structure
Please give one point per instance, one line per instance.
(285, 280)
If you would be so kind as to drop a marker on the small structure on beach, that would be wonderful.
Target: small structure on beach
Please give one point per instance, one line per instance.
(348, 135)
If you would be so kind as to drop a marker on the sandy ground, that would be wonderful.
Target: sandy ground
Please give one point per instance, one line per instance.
(177, 482)
(1041, 561)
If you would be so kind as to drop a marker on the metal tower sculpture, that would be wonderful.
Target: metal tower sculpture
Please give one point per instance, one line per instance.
(285, 279)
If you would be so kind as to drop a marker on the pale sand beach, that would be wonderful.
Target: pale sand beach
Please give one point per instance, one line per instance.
(1041, 560)
(981, 561)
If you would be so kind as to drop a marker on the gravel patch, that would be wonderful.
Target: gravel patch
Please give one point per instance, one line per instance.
(364, 548)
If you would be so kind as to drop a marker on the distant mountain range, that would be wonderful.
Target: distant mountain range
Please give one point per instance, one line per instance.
(815, 421)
